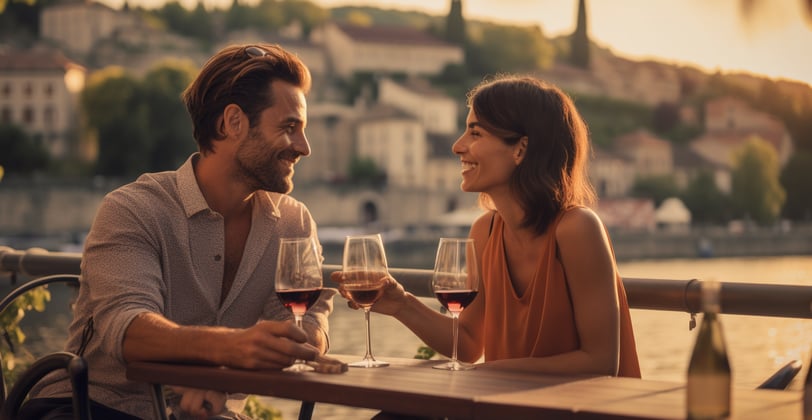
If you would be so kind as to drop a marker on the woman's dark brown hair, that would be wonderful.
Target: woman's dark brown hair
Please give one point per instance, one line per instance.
(553, 174)
(239, 75)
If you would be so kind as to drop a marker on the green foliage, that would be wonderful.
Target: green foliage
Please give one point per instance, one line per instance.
(795, 179)
(495, 48)
(455, 24)
(708, 204)
(255, 409)
(15, 358)
(579, 41)
(364, 171)
(657, 188)
(21, 154)
(425, 353)
(756, 190)
(609, 118)
(140, 125)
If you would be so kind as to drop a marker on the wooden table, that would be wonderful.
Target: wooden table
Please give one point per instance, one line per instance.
(412, 387)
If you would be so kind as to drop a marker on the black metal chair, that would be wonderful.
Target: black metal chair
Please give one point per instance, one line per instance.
(77, 371)
(75, 365)
(783, 376)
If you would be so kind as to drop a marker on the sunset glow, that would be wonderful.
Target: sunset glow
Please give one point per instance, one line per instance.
(772, 40)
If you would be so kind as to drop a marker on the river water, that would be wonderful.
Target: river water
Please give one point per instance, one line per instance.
(757, 346)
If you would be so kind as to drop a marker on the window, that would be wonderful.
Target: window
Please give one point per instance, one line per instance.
(6, 89)
(49, 90)
(27, 90)
(28, 115)
(5, 115)
(48, 116)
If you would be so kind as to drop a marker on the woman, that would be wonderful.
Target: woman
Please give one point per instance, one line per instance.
(551, 299)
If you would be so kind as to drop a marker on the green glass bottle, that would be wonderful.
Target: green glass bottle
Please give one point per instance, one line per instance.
(709, 376)
(807, 402)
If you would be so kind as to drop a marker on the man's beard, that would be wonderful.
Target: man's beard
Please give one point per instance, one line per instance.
(261, 170)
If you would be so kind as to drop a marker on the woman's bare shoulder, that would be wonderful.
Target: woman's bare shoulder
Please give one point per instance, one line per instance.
(578, 221)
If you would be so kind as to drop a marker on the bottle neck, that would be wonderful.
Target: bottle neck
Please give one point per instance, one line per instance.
(710, 296)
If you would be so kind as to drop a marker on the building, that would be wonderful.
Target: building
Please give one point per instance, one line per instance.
(384, 50)
(39, 90)
(434, 109)
(396, 142)
(78, 26)
(730, 122)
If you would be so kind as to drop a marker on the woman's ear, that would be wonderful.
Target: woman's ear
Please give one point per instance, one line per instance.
(520, 150)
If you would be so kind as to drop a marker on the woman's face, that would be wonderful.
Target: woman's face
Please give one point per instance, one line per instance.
(487, 161)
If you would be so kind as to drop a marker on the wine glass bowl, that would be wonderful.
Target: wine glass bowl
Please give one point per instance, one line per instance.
(298, 281)
(455, 283)
(365, 271)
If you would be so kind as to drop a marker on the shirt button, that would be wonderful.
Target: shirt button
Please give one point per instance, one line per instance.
(217, 257)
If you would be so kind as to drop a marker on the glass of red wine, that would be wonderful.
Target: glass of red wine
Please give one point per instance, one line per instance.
(365, 271)
(298, 281)
(455, 283)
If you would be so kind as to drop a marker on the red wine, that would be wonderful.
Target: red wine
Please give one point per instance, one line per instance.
(365, 295)
(299, 300)
(455, 300)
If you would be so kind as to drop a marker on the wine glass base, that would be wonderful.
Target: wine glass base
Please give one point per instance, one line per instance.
(299, 367)
(369, 363)
(454, 366)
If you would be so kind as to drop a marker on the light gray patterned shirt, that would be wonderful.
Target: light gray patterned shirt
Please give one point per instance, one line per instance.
(156, 246)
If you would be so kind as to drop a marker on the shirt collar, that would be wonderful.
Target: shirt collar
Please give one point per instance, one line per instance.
(190, 194)
(194, 202)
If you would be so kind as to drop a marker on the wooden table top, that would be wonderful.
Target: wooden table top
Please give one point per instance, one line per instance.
(411, 386)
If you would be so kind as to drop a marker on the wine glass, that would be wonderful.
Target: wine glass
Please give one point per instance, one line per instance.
(298, 281)
(455, 283)
(365, 271)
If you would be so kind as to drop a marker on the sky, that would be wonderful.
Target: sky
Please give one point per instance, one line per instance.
(775, 40)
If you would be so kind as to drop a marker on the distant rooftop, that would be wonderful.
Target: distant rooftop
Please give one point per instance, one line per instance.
(390, 35)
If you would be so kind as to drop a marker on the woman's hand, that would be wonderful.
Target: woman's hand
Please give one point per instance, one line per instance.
(393, 296)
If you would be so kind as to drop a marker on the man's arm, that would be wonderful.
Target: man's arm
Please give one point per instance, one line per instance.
(266, 345)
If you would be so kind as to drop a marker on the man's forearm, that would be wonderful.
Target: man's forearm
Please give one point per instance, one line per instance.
(152, 337)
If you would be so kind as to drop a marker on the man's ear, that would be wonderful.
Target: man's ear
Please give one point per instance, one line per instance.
(233, 120)
(520, 150)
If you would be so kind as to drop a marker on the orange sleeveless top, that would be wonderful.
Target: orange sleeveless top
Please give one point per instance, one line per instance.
(541, 322)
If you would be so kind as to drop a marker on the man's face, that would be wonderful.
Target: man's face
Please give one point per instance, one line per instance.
(266, 157)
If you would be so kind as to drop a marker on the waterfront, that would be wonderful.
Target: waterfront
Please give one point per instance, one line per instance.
(757, 346)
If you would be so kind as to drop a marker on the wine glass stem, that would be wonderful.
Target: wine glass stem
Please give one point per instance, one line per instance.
(369, 336)
(455, 327)
(298, 319)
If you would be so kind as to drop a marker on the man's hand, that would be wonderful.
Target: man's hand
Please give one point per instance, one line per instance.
(269, 345)
(200, 403)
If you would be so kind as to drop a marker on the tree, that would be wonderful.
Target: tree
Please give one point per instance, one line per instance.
(118, 119)
(455, 24)
(21, 154)
(657, 188)
(501, 48)
(579, 40)
(170, 138)
(756, 191)
(795, 179)
(364, 171)
(707, 203)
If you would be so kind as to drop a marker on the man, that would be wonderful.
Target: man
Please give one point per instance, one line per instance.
(179, 265)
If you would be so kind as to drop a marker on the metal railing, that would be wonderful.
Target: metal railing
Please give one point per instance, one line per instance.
(789, 301)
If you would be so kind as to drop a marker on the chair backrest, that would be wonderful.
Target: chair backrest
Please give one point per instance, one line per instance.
(60, 360)
(783, 376)
(77, 371)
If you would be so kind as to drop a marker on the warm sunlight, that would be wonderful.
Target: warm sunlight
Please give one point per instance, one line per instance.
(772, 39)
